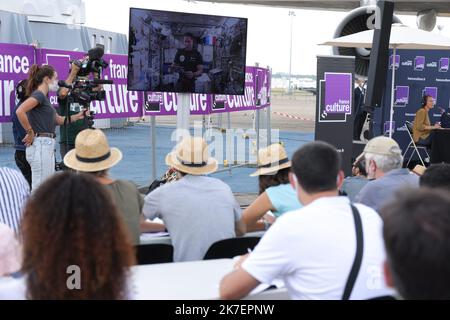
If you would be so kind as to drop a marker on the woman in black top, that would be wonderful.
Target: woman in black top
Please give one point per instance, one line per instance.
(39, 119)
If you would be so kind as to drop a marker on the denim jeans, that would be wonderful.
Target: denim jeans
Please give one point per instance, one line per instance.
(41, 157)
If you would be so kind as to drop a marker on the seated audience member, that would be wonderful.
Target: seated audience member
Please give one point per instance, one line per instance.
(417, 238)
(313, 249)
(14, 192)
(72, 235)
(422, 129)
(384, 164)
(93, 155)
(275, 192)
(197, 210)
(10, 254)
(436, 176)
(353, 185)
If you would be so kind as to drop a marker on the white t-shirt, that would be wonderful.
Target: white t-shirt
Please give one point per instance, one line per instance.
(312, 249)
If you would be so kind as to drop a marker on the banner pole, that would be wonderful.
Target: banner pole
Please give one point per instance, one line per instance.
(391, 111)
(183, 111)
(269, 125)
(153, 133)
(257, 120)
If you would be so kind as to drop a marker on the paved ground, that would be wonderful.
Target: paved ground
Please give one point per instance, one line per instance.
(301, 105)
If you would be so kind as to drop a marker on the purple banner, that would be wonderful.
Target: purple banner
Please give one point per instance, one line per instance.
(119, 102)
(262, 86)
(15, 62)
(230, 103)
(338, 93)
(166, 103)
(336, 97)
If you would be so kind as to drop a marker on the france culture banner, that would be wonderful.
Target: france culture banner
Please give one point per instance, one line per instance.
(417, 73)
(166, 103)
(338, 89)
(119, 102)
(257, 93)
(230, 103)
(15, 62)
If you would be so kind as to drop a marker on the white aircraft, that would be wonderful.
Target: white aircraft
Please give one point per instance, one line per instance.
(360, 17)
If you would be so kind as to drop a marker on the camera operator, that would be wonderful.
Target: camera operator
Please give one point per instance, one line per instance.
(39, 119)
(69, 131)
(67, 106)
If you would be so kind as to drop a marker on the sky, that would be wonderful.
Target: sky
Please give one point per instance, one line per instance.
(269, 28)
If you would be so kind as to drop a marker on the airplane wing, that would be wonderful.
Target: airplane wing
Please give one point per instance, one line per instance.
(401, 6)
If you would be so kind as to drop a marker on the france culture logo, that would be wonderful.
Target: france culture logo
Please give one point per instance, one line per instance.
(430, 91)
(397, 61)
(335, 96)
(443, 64)
(419, 63)
(401, 96)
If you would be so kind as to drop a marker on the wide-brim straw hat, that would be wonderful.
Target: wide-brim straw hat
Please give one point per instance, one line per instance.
(191, 156)
(271, 160)
(92, 152)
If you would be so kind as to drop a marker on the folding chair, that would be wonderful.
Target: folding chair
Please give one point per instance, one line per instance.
(154, 253)
(414, 146)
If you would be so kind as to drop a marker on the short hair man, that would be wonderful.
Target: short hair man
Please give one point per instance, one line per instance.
(384, 164)
(416, 233)
(436, 176)
(188, 63)
(313, 248)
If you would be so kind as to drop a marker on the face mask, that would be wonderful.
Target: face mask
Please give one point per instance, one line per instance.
(53, 86)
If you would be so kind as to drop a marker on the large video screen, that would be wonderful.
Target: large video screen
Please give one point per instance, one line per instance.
(184, 52)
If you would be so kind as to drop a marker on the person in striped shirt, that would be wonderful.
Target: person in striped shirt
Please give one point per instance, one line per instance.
(14, 192)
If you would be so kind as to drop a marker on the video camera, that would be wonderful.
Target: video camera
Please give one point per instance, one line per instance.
(83, 90)
(94, 62)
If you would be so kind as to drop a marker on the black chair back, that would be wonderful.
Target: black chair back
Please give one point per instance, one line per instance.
(154, 253)
(230, 248)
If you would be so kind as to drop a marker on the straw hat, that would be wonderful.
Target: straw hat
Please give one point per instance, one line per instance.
(92, 152)
(191, 156)
(271, 160)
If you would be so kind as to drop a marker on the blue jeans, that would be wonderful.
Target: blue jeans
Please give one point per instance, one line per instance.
(41, 157)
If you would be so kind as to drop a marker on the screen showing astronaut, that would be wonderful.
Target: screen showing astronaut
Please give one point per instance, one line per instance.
(184, 52)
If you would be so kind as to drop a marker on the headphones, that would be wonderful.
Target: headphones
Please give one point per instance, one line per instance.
(424, 99)
(21, 90)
